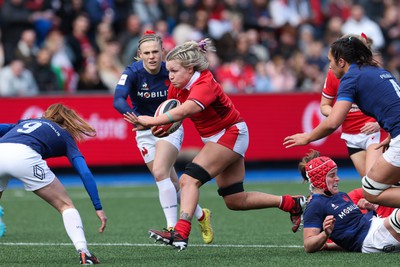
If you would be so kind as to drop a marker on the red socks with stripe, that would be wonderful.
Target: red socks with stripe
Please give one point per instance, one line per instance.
(287, 203)
(183, 227)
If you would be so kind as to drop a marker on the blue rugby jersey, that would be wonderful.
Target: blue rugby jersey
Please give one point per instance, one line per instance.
(50, 140)
(351, 226)
(146, 91)
(376, 92)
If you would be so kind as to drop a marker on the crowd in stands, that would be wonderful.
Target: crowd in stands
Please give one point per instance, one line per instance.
(263, 46)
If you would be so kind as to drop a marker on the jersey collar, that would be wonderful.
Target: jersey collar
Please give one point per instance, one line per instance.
(194, 78)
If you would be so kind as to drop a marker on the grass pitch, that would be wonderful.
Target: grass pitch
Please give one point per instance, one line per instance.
(36, 236)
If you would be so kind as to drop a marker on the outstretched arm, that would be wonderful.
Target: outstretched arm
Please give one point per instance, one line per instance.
(86, 175)
(325, 128)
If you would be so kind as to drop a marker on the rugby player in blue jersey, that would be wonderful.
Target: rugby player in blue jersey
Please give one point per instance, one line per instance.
(146, 83)
(23, 149)
(331, 214)
(377, 93)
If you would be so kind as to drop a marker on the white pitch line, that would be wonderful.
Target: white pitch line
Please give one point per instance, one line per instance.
(148, 245)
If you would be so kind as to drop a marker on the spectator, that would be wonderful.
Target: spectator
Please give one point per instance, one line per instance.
(149, 11)
(61, 61)
(27, 49)
(359, 23)
(129, 38)
(89, 79)
(16, 80)
(43, 73)
(68, 11)
(109, 72)
(282, 77)
(236, 77)
(79, 43)
(262, 82)
(15, 18)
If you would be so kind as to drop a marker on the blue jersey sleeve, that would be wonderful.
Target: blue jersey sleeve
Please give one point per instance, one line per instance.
(120, 101)
(86, 175)
(4, 128)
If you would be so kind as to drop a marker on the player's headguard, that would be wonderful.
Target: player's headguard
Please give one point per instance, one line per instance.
(317, 169)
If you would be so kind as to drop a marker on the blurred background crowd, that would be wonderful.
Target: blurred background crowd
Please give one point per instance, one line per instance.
(263, 46)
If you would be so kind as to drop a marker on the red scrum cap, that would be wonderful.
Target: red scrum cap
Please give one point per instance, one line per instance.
(317, 169)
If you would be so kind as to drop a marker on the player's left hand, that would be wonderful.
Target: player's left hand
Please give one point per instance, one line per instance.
(384, 144)
(300, 139)
(139, 122)
(370, 128)
(103, 219)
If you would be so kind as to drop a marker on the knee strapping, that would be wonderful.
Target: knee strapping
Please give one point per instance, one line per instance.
(196, 171)
(372, 187)
(230, 190)
(394, 221)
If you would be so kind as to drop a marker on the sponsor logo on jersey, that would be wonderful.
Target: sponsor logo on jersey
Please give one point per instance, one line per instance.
(347, 210)
(152, 94)
(122, 80)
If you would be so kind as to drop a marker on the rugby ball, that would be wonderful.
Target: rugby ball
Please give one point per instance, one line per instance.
(164, 107)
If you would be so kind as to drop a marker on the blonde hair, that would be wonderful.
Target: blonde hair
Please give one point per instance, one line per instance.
(70, 120)
(192, 54)
(147, 37)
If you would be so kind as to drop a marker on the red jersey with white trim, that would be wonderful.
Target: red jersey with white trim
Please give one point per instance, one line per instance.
(381, 211)
(218, 110)
(355, 119)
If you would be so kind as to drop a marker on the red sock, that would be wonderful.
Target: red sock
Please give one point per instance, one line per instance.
(183, 227)
(287, 203)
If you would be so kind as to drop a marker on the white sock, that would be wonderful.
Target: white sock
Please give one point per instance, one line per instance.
(74, 227)
(198, 212)
(168, 201)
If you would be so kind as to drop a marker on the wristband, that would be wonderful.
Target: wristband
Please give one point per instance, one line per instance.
(169, 117)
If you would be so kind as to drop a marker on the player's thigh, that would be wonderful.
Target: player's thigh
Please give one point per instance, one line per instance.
(232, 174)
(372, 155)
(215, 158)
(56, 195)
(165, 157)
(359, 161)
(384, 172)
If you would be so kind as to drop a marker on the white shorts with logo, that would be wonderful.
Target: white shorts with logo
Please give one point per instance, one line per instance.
(235, 138)
(25, 164)
(392, 154)
(379, 239)
(361, 140)
(146, 142)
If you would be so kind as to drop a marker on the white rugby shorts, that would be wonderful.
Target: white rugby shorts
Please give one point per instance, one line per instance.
(361, 140)
(25, 164)
(146, 142)
(392, 154)
(379, 239)
(235, 138)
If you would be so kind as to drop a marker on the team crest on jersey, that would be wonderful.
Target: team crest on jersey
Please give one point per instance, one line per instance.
(145, 86)
(167, 82)
(346, 198)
